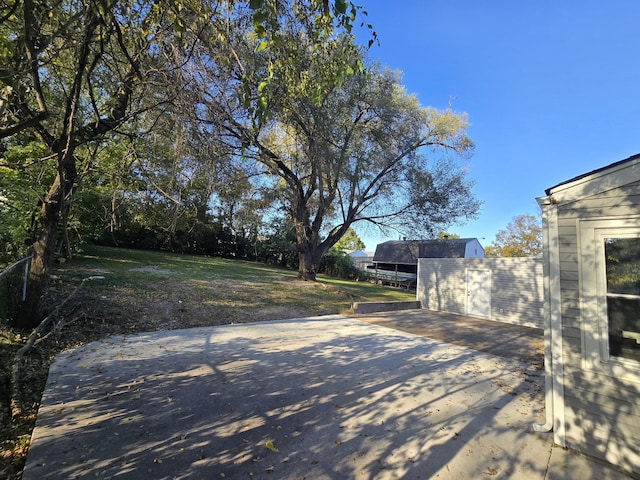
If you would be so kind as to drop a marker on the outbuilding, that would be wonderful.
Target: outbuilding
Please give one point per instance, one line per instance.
(396, 261)
(591, 270)
(361, 259)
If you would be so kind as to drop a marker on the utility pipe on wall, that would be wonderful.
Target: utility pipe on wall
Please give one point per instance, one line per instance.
(553, 355)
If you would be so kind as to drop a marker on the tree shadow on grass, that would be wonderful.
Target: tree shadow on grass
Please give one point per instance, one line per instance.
(322, 398)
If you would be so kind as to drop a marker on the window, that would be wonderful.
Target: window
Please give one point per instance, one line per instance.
(622, 270)
(609, 295)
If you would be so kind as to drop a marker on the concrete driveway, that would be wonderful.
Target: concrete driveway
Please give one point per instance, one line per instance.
(318, 398)
(525, 344)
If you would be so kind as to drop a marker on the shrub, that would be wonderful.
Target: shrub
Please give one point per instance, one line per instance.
(336, 263)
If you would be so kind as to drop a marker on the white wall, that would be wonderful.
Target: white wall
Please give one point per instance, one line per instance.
(474, 249)
(517, 294)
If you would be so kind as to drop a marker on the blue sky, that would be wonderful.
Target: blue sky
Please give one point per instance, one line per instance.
(551, 88)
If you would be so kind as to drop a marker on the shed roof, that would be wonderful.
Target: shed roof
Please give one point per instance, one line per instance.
(619, 163)
(409, 251)
(357, 253)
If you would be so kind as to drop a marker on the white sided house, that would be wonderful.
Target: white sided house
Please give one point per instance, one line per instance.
(591, 227)
(361, 259)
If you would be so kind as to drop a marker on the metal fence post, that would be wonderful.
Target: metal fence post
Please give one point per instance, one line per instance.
(14, 286)
(27, 264)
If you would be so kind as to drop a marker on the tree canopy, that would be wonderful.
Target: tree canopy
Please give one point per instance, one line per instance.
(350, 241)
(359, 150)
(521, 238)
(77, 76)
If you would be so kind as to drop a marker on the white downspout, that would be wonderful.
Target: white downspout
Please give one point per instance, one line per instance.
(547, 426)
(555, 307)
(553, 355)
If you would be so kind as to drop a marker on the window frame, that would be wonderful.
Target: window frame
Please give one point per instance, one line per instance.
(593, 295)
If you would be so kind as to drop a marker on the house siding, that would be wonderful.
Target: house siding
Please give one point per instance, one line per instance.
(601, 412)
(517, 294)
(473, 249)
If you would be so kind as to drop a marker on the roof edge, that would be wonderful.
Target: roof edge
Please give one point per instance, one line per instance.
(619, 163)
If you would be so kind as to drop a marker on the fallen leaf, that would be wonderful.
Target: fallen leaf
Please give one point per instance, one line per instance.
(270, 446)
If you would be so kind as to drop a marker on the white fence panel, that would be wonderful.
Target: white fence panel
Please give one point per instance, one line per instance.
(516, 288)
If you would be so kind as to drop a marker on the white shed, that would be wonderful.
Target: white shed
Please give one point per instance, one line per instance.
(591, 229)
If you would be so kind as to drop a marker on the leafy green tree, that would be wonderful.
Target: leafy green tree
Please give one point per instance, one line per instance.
(337, 263)
(361, 150)
(349, 241)
(74, 72)
(278, 245)
(521, 238)
(443, 235)
(22, 178)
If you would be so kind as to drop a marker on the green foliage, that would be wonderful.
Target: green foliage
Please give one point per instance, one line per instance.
(349, 241)
(24, 176)
(278, 246)
(327, 27)
(623, 265)
(443, 235)
(337, 263)
(521, 238)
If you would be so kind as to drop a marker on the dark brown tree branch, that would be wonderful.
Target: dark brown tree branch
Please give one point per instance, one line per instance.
(24, 124)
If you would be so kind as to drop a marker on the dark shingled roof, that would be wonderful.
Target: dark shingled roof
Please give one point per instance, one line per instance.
(597, 170)
(408, 251)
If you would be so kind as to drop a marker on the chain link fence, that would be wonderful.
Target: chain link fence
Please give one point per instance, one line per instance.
(13, 288)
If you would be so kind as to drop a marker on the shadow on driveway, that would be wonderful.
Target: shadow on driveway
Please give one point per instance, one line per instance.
(524, 344)
(321, 398)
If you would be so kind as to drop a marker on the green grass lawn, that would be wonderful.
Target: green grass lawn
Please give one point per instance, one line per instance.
(140, 268)
(138, 290)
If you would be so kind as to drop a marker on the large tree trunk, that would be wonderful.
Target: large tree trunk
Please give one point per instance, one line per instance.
(66, 181)
(44, 247)
(309, 262)
(309, 249)
(43, 258)
(310, 253)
